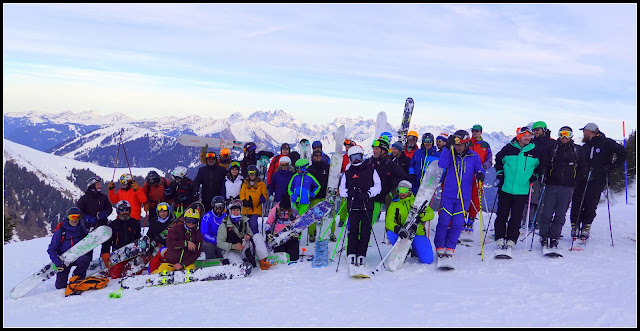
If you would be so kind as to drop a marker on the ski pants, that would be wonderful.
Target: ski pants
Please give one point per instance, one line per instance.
(291, 246)
(474, 206)
(81, 264)
(592, 191)
(450, 212)
(253, 248)
(509, 204)
(421, 247)
(554, 210)
(211, 251)
(359, 232)
(253, 223)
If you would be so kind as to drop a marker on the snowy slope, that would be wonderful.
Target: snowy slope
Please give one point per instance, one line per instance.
(597, 287)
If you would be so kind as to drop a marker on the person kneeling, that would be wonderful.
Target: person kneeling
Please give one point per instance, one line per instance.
(279, 217)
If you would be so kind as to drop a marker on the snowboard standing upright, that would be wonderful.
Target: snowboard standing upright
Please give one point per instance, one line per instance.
(406, 119)
(199, 141)
(87, 244)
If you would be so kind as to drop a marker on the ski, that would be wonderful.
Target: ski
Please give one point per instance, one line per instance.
(305, 150)
(358, 271)
(406, 120)
(381, 123)
(445, 263)
(279, 258)
(503, 254)
(124, 253)
(579, 245)
(207, 263)
(199, 141)
(221, 272)
(551, 252)
(87, 244)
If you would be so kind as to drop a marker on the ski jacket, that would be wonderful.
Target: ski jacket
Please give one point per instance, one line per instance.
(390, 175)
(232, 187)
(156, 227)
(543, 142)
(409, 152)
(357, 179)
(345, 162)
(59, 245)
(252, 193)
(94, 204)
(209, 226)
(518, 165)
(599, 153)
(466, 166)
(123, 233)
(229, 233)
(212, 180)
(178, 238)
(483, 150)
(563, 164)
(250, 159)
(320, 170)
(155, 193)
(280, 218)
(403, 161)
(182, 194)
(135, 197)
(326, 158)
(399, 210)
(274, 167)
(280, 183)
(419, 163)
(303, 188)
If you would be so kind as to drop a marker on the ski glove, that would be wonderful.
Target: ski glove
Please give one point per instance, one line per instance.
(103, 214)
(168, 192)
(396, 230)
(246, 203)
(451, 141)
(111, 186)
(533, 178)
(499, 180)
(480, 176)
(135, 186)
(269, 236)
(90, 220)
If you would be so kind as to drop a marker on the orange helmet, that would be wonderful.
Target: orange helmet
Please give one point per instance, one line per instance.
(225, 152)
(413, 133)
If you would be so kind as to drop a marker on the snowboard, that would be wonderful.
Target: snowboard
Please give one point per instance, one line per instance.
(199, 141)
(321, 256)
(429, 183)
(445, 263)
(263, 167)
(358, 271)
(381, 123)
(124, 253)
(221, 272)
(87, 244)
(294, 228)
(305, 151)
(504, 254)
(551, 252)
(279, 258)
(406, 120)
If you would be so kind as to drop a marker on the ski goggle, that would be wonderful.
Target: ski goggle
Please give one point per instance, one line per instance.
(524, 130)
(191, 220)
(218, 205)
(565, 133)
(356, 157)
(348, 142)
(403, 190)
(123, 209)
(252, 172)
(427, 141)
(234, 164)
(210, 155)
(163, 208)
(74, 217)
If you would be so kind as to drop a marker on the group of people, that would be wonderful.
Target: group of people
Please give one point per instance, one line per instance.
(555, 173)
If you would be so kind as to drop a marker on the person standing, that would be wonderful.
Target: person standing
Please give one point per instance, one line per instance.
(412, 144)
(285, 149)
(421, 160)
(482, 148)
(94, 205)
(359, 184)
(441, 141)
(232, 182)
(302, 188)
(211, 177)
(320, 171)
(181, 190)
(129, 191)
(280, 180)
(154, 188)
(253, 195)
(69, 233)
(399, 158)
(602, 156)
(317, 146)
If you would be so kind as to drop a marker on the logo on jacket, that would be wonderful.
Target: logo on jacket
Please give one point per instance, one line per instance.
(355, 176)
(597, 150)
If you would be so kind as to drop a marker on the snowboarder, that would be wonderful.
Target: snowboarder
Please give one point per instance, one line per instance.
(359, 184)
(302, 188)
(211, 177)
(517, 166)
(562, 165)
(483, 150)
(211, 221)
(320, 170)
(130, 191)
(237, 241)
(412, 144)
(317, 145)
(181, 190)
(462, 168)
(285, 149)
(396, 217)
(69, 233)
(279, 217)
(599, 152)
(232, 182)
(94, 205)
(164, 217)
(399, 158)
(281, 178)
(253, 195)
(421, 160)
(154, 187)
(125, 229)
(184, 243)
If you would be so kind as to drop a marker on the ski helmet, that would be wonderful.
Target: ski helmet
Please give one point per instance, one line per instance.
(316, 144)
(252, 170)
(413, 134)
(235, 204)
(235, 164)
(91, 181)
(284, 159)
(349, 142)
(225, 152)
(356, 155)
(382, 142)
(125, 178)
(123, 206)
(302, 164)
(565, 131)
(153, 177)
(179, 172)
(463, 137)
(163, 206)
(404, 186)
(427, 138)
(192, 215)
(539, 125)
(387, 135)
(74, 213)
(250, 146)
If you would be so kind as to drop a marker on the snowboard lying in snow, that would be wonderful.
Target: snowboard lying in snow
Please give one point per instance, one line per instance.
(220, 272)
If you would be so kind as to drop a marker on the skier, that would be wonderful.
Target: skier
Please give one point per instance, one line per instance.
(483, 150)
(285, 149)
(562, 165)
(396, 217)
(69, 233)
(317, 145)
(359, 184)
(399, 158)
(462, 168)
(211, 177)
(237, 241)
(279, 217)
(302, 188)
(599, 152)
(320, 171)
(543, 140)
(154, 187)
(225, 158)
(209, 227)
(130, 191)
(94, 205)
(412, 144)
(184, 243)
(281, 178)
(125, 230)
(181, 190)
(232, 182)
(517, 166)
(253, 195)
(421, 160)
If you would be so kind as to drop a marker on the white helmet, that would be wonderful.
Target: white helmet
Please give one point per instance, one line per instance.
(179, 172)
(356, 155)
(355, 150)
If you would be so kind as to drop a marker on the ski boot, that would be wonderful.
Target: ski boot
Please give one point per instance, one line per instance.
(312, 237)
(352, 259)
(264, 264)
(332, 238)
(544, 242)
(574, 231)
(584, 233)
(510, 243)
(449, 252)
(360, 261)
(553, 243)
(500, 243)
(440, 251)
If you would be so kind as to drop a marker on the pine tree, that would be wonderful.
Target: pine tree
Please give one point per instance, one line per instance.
(616, 178)
(8, 228)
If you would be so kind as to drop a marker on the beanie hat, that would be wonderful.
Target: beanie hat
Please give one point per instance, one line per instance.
(316, 143)
(284, 159)
(405, 183)
(398, 145)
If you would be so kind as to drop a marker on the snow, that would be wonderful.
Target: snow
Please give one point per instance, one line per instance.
(593, 288)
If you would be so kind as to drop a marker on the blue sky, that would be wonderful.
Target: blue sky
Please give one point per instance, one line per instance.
(499, 65)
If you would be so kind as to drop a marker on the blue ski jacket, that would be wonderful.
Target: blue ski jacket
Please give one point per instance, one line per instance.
(59, 245)
(303, 188)
(466, 166)
(419, 163)
(209, 226)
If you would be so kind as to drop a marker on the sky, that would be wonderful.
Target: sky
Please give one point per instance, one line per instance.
(498, 65)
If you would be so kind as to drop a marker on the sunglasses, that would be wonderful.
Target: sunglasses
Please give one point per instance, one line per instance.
(163, 208)
(124, 209)
(403, 190)
(439, 141)
(567, 134)
(284, 164)
(74, 217)
(475, 130)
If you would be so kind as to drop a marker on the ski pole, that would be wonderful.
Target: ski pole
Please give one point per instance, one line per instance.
(334, 252)
(385, 258)
(526, 226)
(609, 210)
(374, 233)
(486, 231)
(580, 209)
(535, 217)
(480, 203)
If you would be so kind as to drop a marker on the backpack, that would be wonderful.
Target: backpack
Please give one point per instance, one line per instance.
(76, 286)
